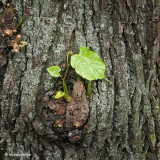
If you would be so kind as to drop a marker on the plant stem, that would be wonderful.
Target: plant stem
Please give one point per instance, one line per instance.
(66, 96)
(64, 83)
(107, 80)
(20, 22)
(88, 89)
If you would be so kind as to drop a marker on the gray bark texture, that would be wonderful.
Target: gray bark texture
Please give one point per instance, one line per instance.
(124, 117)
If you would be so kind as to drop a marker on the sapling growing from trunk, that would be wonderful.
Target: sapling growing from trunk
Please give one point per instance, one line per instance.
(87, 64)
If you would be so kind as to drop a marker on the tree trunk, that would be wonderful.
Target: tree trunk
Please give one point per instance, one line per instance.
(124, 117)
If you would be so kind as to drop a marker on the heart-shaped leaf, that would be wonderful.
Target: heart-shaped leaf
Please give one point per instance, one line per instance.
(88, 64)
(54, 71)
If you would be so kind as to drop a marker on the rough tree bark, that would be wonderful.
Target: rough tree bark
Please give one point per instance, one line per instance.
(124, 117)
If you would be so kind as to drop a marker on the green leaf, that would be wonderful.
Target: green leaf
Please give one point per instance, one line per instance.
(54, 71)
(22, 44)
(88, 64)
(60, 94)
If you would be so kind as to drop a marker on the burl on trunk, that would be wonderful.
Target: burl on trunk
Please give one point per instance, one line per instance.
(71, 116)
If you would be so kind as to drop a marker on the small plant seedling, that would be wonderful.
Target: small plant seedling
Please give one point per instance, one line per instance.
(17, 43)
(87, 64)
(9, 28)
(8, 20)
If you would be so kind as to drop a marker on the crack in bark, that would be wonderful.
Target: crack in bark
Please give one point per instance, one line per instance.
(84, 22)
